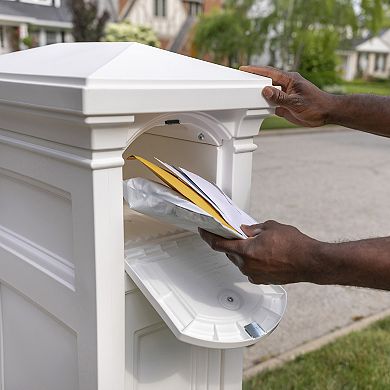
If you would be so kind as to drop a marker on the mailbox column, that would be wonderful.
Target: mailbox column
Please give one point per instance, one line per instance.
(61, 250)
(235, 173)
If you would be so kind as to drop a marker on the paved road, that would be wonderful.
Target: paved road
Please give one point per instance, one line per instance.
(333, 186)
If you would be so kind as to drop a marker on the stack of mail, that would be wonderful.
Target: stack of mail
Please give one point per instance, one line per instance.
(188, 202)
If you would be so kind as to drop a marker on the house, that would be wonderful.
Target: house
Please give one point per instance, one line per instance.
(42, 21)
(366, 58)
(172, 20)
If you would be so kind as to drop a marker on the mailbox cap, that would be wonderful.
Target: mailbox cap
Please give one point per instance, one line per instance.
(123, 78)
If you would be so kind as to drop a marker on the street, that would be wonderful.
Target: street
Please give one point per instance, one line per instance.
(333, 186)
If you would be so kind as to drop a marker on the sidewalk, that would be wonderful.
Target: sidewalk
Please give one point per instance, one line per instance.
(334, 186)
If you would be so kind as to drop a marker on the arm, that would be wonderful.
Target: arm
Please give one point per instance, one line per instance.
(304, 104)
(279, 254)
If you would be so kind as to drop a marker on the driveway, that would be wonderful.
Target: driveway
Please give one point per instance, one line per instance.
(334, 186)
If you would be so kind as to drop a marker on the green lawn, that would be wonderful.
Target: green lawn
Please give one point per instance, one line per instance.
(276, 122)
(360, 86)
(359, 361)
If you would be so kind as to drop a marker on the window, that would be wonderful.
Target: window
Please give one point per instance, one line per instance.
(51, 37)
(380, 62)
(2, 37)
(160, 8)
(195, 9)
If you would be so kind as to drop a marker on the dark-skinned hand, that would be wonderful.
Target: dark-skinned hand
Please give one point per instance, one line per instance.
(299, 101)
(273, 254)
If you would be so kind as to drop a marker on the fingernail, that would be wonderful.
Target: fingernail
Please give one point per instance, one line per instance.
(268, 92)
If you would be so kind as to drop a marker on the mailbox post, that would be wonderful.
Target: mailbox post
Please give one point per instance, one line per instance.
(70, 317)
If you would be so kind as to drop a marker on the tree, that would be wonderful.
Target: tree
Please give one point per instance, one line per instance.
(319, 60)
(290, 19)
(228, 36)
(305, 35)
(126, 31)
(88, 25)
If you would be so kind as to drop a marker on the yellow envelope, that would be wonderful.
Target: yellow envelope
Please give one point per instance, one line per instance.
(179, 186)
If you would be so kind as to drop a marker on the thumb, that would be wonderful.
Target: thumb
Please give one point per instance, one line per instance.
(253, 230)
(278, 97)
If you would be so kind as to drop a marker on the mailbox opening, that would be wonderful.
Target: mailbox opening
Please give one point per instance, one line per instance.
(199, 293)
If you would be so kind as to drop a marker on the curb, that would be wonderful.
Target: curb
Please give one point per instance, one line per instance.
(302, 130)
(313, 345)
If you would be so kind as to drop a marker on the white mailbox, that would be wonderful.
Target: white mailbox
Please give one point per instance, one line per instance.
(70, 318)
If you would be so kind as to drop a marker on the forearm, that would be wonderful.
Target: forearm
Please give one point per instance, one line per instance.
(364, 263)
(368, 113)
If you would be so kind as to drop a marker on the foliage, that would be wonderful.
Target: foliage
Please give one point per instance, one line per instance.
(289, 18)
(88, 25)
(277, 123)
(126, 31)
(228, 35)
(29, 42)
(357, 361)
(318, 60)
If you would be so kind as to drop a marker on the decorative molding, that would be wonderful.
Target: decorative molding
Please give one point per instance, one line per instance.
(136, 348)
(36, 183)
(213, 131)
(51, 264)
(94, 164)
(244, 145)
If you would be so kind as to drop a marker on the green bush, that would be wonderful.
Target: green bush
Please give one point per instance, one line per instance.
(126, 31)
(318, 59)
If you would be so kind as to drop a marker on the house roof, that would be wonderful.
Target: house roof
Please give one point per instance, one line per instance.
(121, 78)
(36, 14)
(373, 45)
(385, 36)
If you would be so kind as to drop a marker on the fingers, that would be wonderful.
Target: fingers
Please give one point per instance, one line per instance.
(278, 77)
(235, 259)
(221, 244)
(253, 230)
(282, 99)
(286, 114)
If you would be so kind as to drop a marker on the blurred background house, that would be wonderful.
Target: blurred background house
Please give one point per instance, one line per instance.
(171, 20)
(366, 58)
(30, 23)
(25, 23)
(230, 32)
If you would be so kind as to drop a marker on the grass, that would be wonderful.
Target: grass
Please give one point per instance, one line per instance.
(276, 122)
(360, 360)
(375, 87)
(357, 86)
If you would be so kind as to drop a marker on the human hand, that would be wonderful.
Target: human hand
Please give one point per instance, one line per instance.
(299, 101)
(273, 254)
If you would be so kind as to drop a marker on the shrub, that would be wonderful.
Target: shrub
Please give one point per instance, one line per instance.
(126, 31)
(318, 60)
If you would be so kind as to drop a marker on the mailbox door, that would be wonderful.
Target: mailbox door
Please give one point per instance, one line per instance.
(201, 295)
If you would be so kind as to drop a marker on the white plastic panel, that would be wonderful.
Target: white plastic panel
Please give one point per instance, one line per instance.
(38, 352)
(201, 295)
(37, 211)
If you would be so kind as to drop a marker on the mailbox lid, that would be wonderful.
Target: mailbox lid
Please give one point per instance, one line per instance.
(201, 295)
(120, 78)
